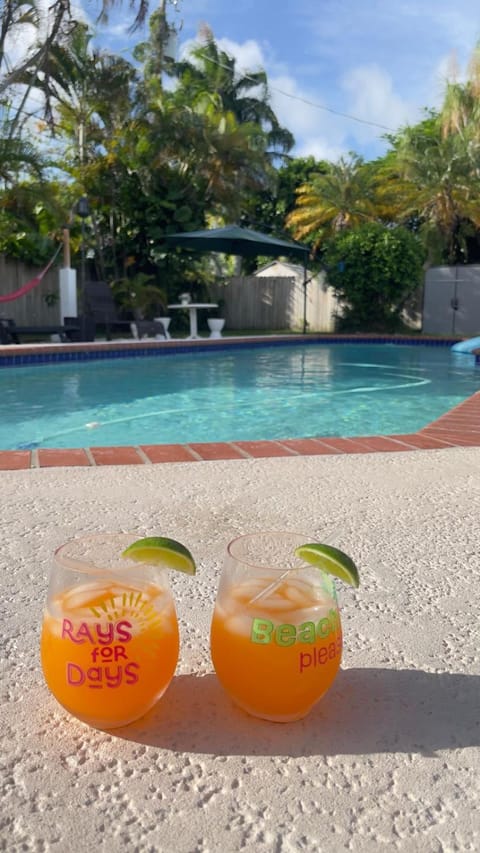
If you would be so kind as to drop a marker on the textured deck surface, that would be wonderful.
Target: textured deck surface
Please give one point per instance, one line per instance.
(388, 760)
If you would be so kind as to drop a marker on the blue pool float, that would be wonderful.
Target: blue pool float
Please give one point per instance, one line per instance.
(467, 346)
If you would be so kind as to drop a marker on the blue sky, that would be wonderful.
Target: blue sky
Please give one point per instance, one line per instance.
(379, 61)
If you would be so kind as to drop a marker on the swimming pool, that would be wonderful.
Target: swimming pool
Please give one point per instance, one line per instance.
(227, 395)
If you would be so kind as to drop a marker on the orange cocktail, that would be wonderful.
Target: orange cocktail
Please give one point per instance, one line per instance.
(109, 645)
(276, 638)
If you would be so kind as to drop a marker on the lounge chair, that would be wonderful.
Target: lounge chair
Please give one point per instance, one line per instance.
(10, 333)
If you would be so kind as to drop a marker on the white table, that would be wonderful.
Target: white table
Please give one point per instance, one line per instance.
(192, 309)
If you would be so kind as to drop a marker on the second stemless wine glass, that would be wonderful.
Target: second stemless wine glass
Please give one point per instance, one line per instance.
(110, 642)
(276, 638)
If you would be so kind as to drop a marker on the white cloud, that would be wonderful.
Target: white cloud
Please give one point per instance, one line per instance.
(410, 42)
(249, 55)
(320, 148)
(317, 132)
(371, 98)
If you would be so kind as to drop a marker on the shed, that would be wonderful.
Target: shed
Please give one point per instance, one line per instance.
(451, 300)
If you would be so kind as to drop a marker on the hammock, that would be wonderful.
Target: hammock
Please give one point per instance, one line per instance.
(10, 297)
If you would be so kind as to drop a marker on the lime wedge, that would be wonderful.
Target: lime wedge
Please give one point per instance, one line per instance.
(331, 560)
(160, 551)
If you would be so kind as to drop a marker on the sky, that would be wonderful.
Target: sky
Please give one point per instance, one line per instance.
(342, 73)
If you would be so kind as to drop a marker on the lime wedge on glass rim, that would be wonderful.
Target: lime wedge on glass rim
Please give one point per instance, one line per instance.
(161, 551)
(330, 560)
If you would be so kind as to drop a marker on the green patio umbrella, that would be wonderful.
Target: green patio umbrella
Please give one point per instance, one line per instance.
(235, 240)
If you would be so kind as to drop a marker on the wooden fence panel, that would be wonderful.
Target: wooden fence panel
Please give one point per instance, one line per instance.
(258, 303)
(31, 309)
(276, 303)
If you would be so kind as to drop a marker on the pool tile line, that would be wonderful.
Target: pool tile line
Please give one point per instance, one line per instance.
(458, 428)
(35, 354)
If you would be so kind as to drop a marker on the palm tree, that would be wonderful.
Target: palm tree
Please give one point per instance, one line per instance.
(205, 150)
(460, 112)
(204, 130)
(438, 188)
(17, 15)
(89, 108)
(140, 8)
(83, 88)
(18, 157)
(341, 197)
(211, 74)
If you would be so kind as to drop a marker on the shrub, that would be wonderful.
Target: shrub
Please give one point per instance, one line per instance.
(373, 270)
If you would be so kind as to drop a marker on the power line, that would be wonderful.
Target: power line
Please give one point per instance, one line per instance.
(308, 102)
(299, 98)
(330, 109)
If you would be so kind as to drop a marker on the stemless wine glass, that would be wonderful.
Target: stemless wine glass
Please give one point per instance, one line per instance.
(110, 642)
(276, 637)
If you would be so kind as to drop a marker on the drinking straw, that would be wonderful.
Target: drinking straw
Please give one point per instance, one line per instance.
(275, 583)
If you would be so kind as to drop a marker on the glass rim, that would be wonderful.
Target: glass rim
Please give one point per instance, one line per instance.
(88, 566)
(299, 539)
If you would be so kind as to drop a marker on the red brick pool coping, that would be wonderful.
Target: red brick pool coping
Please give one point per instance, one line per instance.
(459, 427)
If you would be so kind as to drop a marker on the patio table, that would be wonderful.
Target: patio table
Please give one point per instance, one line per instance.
(192, 309)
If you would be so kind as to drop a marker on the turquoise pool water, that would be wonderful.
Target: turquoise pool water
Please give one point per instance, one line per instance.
(245, 394)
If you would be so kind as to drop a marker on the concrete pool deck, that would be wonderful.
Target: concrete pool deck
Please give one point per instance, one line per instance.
(458, 428)
(388, 760)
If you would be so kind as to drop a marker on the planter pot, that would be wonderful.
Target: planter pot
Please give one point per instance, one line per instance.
(166, 322)
(216, 324)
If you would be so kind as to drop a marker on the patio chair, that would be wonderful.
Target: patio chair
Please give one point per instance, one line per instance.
(100, 305)
(150, 328)
(8, 334)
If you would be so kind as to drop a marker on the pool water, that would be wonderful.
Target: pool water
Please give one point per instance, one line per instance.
(244, 394)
